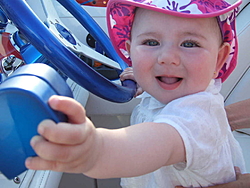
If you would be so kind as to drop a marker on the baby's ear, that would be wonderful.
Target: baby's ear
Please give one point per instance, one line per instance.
(128, 45)
(223, 54)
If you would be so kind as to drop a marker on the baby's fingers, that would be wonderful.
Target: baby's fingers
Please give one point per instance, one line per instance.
(70, 107)
(37, 163)
(65, 133)
(55, 152)
(127, 74)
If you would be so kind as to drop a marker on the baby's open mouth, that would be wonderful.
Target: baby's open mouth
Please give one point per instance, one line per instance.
(169, 80)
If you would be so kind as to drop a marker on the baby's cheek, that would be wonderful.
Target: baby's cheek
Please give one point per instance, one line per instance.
(138, 74)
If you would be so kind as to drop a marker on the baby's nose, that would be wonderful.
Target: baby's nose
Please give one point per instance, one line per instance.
(169, 55)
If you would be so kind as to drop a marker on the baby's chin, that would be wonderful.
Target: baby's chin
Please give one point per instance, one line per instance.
(165, 100)
(171, 97)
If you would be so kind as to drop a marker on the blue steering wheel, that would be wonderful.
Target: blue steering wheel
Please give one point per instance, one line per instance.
(46, 43)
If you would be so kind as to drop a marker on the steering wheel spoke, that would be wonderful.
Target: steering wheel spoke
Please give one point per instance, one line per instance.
(58, 28)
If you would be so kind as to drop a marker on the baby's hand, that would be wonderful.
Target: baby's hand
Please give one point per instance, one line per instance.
(128, 74)
(67, 147)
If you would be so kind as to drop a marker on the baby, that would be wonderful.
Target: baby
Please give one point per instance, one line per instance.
(180, 52)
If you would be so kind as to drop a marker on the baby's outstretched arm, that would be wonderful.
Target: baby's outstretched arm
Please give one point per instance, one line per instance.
(79, 147)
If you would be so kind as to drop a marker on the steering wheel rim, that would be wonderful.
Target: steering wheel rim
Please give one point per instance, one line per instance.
(47, 44)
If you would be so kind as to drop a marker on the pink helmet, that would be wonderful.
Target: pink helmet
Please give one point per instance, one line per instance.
(120, 16)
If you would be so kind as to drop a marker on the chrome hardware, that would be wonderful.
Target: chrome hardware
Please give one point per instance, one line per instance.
(17, 180)
(10, 64)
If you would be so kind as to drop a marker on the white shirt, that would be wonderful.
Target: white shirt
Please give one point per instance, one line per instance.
(211, 150)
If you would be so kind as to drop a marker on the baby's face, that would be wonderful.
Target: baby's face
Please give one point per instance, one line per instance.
(172, 56)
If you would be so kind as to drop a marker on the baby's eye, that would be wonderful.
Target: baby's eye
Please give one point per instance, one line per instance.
(151, 43)
(190, 44)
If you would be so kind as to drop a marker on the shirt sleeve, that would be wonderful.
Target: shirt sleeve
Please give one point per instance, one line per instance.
(201, 121)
